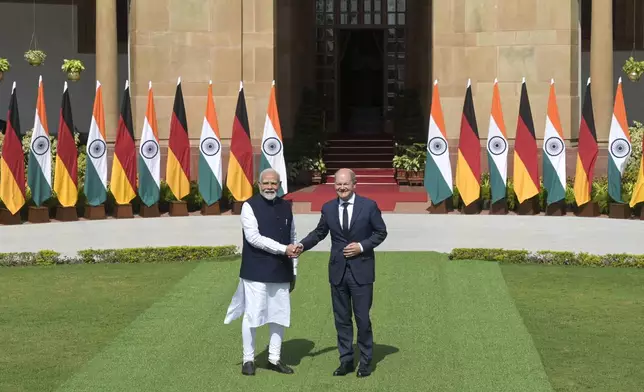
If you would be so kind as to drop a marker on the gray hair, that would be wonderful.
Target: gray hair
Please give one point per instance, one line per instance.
(269, 170)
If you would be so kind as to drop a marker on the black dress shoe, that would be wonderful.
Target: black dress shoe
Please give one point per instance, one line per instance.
(248, 368)
(344, 369)
(280, 368)
(364, 370)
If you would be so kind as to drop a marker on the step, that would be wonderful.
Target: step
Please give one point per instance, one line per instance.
(367, 180)
(337, 149)
(335, 165)
(357, 156)
(360, 143)
(369, 172)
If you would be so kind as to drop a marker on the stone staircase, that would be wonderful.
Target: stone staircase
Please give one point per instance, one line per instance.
(369, 156)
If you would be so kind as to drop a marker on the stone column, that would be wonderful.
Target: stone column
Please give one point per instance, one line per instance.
(601, 65)
(107, 62)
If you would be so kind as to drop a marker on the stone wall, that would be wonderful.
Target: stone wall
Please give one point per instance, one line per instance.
(508, 40)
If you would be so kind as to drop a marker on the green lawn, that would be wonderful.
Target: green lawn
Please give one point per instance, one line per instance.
(438, 325)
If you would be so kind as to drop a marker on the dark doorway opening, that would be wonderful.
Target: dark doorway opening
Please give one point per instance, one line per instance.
(361, 76)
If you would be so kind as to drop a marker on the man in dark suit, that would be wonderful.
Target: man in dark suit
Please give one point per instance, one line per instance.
(356, 227)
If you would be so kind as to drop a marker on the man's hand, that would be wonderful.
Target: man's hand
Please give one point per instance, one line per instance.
(351, 250)
(292, 250)
(292, 285)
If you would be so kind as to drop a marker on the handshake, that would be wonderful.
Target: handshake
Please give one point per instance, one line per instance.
(294, 250)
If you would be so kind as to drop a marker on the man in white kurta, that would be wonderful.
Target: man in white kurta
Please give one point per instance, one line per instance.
(265, 302)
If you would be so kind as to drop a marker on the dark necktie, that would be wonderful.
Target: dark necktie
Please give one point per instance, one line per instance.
(345, 219)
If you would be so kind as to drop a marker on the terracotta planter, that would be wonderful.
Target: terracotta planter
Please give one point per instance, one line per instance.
(316, 177)
(416, 177)
(73, 76)
(401, 176)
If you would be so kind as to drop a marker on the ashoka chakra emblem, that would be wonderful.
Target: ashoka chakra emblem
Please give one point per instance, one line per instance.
(97, 149)
(150, 149)
(554, 146)
(497, 145)
(272, 146)
(210, 146)
(437, 146)
(40, 146)
(620, 148)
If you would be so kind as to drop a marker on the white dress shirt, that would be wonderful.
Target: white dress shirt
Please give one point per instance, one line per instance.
(351, 201)
(252, 235)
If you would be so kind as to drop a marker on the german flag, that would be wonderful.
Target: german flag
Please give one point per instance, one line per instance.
(178, 166)
(240, 163)
(587, 151)
(12, 163)
(123, 181)
(66, 174)
(526, 166)
(468, 163)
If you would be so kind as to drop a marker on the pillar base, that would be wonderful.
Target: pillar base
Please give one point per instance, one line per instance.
(150, 212)
(178, 208)
(472, 209)
(123, 211)
(588, 210)
(66, 214)
(619, 211)
(95, 212)
(556, 209)
(212, 209)
(38, 215)
(499, 208)
(529, 206)
(7, 218)
(236, 207)
(440, 208)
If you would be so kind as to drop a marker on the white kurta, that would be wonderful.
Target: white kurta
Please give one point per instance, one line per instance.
(261, 303)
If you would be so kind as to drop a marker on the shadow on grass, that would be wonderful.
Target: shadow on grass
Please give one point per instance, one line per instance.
(294, 350)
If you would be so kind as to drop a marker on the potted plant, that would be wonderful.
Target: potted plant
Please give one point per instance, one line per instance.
(35, 57)
(4, 67)
(318, 169)
(633, 69)
(399, 163)
(73, 69)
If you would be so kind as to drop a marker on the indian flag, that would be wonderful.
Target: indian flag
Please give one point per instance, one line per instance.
(619, 146)
(96, 170)
(272, 146)
(497, 148)
(438, 169)
(210, 176)
(149, 156)
(554, 152)
(39, 174)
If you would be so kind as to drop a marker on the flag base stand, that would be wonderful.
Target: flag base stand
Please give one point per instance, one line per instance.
(236, 207)
(588, 210)
(440, 208)
(7, 218)
(150, 212)
(178, 208)
(619, 211)
(529, 207)
(556, 209)
(66, 214)
(472, 209)
(38, 214)
(95, 212)
(212, 209)
(499, 208)
(123, 211)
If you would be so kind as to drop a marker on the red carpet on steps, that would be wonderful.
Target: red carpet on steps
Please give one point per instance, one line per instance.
(385, 196)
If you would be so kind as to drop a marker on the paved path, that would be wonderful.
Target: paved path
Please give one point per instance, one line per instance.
(412, 232)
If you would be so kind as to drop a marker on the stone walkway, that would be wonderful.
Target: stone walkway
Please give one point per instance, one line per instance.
(407, 232)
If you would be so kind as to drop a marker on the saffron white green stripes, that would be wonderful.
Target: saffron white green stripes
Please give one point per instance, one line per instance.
(96, 171)
(149, 156)
(619, 146)
(39, 167)
(272, 144)
(210, 166)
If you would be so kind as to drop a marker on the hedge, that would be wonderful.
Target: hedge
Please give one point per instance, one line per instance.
(548, 257)
(171, 254)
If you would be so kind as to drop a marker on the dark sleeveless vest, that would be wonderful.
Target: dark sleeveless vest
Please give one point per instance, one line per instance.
(274, 218)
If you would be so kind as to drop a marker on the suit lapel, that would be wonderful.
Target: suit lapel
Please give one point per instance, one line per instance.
(336, 217)
(357, 208)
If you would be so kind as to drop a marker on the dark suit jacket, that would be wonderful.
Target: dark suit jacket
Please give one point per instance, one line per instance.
(366, 227)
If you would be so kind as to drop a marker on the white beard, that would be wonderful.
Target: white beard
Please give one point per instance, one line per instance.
(269, 196)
